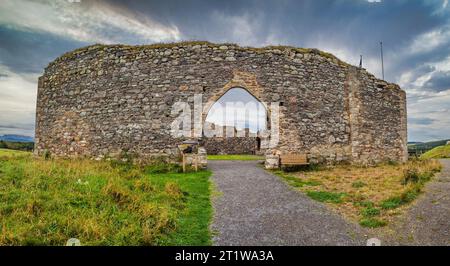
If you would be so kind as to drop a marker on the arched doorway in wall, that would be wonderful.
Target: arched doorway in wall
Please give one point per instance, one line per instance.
(235, 123)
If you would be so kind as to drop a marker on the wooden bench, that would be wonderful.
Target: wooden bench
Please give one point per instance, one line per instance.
(293, 159)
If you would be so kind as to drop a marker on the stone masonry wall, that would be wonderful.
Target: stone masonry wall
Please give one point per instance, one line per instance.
(102, 100)
(234, 145)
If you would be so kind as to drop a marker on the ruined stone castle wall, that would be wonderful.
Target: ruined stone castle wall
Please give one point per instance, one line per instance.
(103, 100)
(233, 145)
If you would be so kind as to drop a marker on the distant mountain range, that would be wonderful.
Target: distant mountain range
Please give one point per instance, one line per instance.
(424, 146)
(16, 138)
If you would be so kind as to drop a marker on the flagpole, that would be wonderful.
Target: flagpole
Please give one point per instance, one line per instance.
(382, 60)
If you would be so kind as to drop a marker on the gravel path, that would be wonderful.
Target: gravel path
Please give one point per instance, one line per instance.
(428, 220)
(257, 208)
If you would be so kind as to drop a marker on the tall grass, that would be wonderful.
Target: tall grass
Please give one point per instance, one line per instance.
(46, 202)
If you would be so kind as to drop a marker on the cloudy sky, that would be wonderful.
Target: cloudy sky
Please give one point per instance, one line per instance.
(415, 33)
(240, 109)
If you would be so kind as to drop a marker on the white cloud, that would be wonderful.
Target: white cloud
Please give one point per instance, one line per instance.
(88, 22)
(238, 108)
(429, 41)
(17, 102)
(433, 107)
(252, 115)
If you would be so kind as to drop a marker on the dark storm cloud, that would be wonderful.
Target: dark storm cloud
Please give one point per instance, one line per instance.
(30, 52)
(354, 25)
(439, 81)
(357, 21)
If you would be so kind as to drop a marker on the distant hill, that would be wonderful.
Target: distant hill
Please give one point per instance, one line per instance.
(22, 146)
(437, 153)
(427, 145)
(414, 142)
(419, 148)
(16, 138)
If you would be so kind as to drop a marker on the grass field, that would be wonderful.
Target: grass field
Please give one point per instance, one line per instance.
(440, 152)
(10, 153)
(46, 202)
(235, 157)
(373, 196)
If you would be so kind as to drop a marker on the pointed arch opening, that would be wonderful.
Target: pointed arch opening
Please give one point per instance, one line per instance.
(235, 123)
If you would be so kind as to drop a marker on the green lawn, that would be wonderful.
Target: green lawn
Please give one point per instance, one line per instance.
(235, 157)
(46, 202)
(437, 153)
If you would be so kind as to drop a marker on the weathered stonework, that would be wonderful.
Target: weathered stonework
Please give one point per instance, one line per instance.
(103, 100)
(232, 141)
(235, 145)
